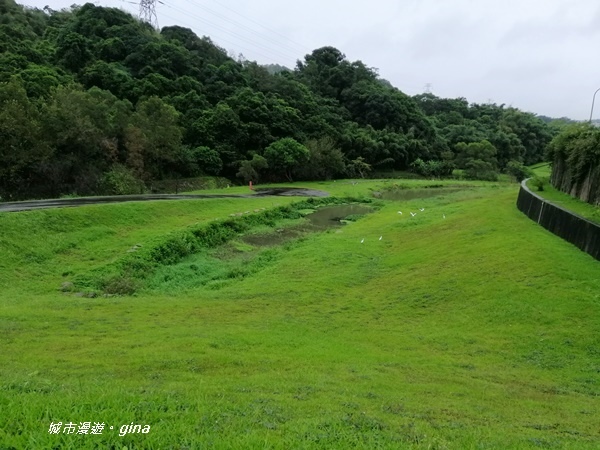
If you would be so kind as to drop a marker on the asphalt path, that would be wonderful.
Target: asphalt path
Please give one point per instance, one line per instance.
(83, 201)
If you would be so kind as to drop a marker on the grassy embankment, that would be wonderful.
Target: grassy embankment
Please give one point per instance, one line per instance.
(560, 198)
(477, 330)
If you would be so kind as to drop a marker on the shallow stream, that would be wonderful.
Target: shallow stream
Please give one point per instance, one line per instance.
(319, 220)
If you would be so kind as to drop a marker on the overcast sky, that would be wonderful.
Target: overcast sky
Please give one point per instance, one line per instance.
(541, 56)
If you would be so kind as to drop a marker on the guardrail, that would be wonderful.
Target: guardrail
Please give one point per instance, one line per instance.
(566, 224)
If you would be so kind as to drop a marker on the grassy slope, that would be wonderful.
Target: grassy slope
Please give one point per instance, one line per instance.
(560, 198)
(543, 170)
(475, 331)
(39, 246)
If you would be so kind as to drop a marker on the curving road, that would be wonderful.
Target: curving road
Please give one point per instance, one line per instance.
(72, 202)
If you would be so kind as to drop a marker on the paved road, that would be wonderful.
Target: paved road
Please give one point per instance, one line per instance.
(72, 202)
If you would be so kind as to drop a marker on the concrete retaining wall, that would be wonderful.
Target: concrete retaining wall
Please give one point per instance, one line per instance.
(569, 226)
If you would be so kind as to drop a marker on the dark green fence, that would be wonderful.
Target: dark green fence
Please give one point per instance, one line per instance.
(569, 226)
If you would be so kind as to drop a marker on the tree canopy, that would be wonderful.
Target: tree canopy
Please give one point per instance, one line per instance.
(95, 101)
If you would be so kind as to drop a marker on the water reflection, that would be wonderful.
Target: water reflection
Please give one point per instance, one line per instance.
(320, 220)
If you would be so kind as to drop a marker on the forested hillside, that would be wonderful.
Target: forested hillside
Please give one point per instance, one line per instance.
(94, 101)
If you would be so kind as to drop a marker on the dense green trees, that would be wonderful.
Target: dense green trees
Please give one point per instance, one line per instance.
(325, 160)
(94, 101)
(515, 135)
(22, 146)
(286, 155)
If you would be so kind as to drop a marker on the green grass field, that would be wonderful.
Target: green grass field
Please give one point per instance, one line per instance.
(477, 330)
(543, 170)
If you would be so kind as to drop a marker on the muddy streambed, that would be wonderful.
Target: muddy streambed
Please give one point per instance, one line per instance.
(320, 219)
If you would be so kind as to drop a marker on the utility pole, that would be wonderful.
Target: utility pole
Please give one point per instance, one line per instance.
(593, 100)
(148, 12)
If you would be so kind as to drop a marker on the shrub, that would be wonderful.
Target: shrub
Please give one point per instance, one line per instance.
(120, 285)
(432, 168)
(538, 183)
(518, 170)
(480, 170)
(121, 181)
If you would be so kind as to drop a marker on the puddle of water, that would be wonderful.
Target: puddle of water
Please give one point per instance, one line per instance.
(411, 194)
(279, 237)
(320, 220)
(330, 216)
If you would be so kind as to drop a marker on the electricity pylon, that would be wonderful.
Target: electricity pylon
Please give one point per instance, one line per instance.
(148, 12)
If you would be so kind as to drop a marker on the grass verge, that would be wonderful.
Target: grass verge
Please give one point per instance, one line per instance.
(565, 201)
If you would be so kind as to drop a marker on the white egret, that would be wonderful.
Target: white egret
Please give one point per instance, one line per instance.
(413, 214)
(380, 237)
(400, 212)
(363, 240)
(421, 209)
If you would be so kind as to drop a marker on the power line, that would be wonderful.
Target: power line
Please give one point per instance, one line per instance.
(225, 30)
(126, 1)
(301, 46)
(268, 55)
(220, 39)
(238, 24)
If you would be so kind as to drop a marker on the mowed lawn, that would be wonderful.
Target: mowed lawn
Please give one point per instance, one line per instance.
(465, 326)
